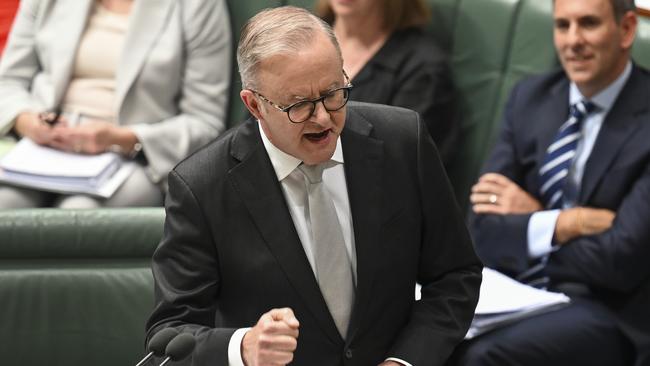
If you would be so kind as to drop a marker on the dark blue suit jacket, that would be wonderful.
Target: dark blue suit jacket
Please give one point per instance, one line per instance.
(614, 265)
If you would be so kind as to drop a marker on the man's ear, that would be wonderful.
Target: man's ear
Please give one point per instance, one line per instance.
(628, 29)
(251, 103)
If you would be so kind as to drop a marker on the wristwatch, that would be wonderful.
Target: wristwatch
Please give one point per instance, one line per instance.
(135, 152)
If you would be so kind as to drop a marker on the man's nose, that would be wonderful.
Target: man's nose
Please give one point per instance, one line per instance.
(321, 116)
(575, 38)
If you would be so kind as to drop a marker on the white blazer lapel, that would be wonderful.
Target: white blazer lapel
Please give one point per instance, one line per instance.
(71, 18)
(145, 24)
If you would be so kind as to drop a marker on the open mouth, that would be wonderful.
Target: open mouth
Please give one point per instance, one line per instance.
(315, 137)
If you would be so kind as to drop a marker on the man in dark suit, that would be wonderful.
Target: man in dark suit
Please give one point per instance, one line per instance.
(244, 237)
(564, 200)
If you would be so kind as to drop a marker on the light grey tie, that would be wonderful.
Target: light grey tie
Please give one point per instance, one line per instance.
(333, 266)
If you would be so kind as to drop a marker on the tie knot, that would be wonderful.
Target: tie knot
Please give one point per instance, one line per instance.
(581, 109)
(314, 173)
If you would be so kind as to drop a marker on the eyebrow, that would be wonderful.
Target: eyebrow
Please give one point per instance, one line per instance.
(332, 86)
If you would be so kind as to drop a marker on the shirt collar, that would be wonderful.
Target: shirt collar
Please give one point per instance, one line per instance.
(605, 98)
(283, 163)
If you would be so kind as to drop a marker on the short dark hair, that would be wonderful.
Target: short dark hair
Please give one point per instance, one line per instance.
(621, 7)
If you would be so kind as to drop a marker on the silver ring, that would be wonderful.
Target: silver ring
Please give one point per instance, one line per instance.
(493, 199)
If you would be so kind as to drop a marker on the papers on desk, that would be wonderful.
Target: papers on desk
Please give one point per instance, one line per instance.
(31, 165)
(503, 301)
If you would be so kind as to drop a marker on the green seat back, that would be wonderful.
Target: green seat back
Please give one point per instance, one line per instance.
(494, 44)
(76, 285)
(240, 12)
(641, 48)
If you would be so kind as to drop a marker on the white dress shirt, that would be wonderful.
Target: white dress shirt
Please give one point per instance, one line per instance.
(293, 184)
(541, 225)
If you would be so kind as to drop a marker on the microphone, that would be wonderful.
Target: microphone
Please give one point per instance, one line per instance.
(158, 343)
(179, 348)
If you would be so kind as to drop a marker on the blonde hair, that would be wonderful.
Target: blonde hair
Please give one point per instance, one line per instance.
(398, 14)
(286, 29)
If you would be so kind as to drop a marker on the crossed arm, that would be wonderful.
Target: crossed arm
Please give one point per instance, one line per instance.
(496, 194)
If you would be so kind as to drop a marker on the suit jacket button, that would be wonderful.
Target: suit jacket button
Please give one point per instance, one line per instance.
(348, 354)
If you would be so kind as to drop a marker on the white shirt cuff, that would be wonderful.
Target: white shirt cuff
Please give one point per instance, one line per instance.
(234, 347)
(398, 361)
(541, 228)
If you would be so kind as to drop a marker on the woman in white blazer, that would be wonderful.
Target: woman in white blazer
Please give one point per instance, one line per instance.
(144, 77)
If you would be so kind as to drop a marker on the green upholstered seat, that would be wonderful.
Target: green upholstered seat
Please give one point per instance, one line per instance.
(75, 285)
(240, 12)
(494, 43)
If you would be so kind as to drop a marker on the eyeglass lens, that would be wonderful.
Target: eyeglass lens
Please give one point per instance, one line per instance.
(333, 101)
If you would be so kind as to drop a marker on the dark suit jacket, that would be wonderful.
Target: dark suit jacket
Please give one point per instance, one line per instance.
(614, 264)
(230, 250)
(411, 71)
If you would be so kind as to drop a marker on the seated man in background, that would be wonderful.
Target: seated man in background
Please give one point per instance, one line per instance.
(322, 268)
(564, 200)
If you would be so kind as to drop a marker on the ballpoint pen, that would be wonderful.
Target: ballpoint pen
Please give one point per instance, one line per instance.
(51, 117)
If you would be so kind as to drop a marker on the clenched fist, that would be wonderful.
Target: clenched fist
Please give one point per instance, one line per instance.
(272, 340)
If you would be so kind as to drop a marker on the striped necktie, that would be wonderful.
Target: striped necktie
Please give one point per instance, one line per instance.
(560, 155)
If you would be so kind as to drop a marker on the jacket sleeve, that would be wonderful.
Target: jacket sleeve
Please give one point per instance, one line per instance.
(186, 271)
(616, 259)
(203, 98)
(501, 240)
(449, 271)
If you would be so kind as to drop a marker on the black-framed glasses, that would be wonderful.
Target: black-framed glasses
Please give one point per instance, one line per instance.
(301, 111)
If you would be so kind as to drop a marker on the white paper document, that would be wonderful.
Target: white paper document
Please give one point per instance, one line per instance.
(503, 300)
(31, 165)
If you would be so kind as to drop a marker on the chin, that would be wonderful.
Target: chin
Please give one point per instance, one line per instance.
(580, 77)
(318, 158)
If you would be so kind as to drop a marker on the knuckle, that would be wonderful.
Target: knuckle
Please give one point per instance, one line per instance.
(264, 341)
(293, 344)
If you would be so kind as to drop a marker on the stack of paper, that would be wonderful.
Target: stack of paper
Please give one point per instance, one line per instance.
(503, 300)
(31, 165)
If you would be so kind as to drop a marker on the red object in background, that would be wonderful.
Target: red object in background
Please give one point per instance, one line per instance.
(7, 12)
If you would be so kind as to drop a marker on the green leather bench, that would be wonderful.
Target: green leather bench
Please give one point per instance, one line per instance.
(76, 286)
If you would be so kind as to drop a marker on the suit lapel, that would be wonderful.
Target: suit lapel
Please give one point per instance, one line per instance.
(363, 156)
(627, 112)
(145, 24)
(554, 113)
(73, 18)
(259, 189)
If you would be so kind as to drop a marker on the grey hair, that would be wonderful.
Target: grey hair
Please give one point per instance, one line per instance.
(286, 29)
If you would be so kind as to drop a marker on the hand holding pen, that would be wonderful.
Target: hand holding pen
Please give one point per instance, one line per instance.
(66, 133)
(37, 126)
